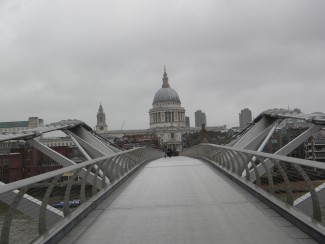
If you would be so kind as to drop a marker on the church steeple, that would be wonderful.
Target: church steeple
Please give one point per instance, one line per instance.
(101, 120)
(100, 110)
(165, 79)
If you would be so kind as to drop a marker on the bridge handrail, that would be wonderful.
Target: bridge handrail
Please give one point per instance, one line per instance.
(288, 159)
(281, 174)
(28, 181)
(98, 176)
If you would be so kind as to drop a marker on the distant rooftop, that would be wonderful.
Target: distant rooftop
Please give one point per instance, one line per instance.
(13, 124)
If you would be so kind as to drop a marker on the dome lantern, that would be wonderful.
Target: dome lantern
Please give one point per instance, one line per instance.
(165, 79)
(166, 94)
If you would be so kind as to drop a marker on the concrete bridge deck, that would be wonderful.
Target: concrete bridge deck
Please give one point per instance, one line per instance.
(183, 200)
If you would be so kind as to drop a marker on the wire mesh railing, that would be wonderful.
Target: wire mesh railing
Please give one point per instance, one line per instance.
(31, 208)
(297, 182)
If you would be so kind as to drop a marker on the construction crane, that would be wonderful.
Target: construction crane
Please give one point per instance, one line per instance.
(123, 125)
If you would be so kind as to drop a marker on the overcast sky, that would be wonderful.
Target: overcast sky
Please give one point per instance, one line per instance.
(60, 59)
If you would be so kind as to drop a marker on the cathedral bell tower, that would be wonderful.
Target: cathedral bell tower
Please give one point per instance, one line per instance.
(101, 126)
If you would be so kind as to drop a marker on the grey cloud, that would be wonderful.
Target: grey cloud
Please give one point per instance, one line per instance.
(60, 59)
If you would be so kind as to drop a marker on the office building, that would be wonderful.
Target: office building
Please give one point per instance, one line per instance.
(245, 117)
(200, 118)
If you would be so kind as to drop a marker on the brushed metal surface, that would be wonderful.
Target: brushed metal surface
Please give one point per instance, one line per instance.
(183, 200)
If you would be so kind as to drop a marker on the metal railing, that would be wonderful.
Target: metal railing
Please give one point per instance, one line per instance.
(31, 209)
(299, 183)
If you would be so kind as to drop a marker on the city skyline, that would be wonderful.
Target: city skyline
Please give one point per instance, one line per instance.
(61, 60)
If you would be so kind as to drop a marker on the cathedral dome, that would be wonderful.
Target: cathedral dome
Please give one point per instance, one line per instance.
(167, 115)
(166, 95)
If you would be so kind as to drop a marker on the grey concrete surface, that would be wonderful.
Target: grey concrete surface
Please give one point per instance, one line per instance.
(183, 200)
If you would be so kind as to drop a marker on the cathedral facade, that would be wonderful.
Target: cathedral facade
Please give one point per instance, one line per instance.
(167, 122)
(167, 116)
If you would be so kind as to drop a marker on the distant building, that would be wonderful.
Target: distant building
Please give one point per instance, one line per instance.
(23, 161)
(19, 161)
(200, 118)
(283, 136)
(315, 147)
(57, 142)
(167, 123)
(101, 126)
(187, 121)
(14, 126)
(214, 135)
(221, 128)
(245, 117)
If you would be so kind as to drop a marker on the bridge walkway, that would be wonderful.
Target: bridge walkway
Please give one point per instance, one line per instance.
(183, 200)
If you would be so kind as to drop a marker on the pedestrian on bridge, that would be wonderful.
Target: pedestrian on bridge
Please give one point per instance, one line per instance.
(169, 152)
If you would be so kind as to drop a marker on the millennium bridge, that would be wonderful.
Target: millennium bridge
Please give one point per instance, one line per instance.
(233, 193)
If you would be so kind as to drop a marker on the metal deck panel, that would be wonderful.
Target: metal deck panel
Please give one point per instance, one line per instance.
(183, 200)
